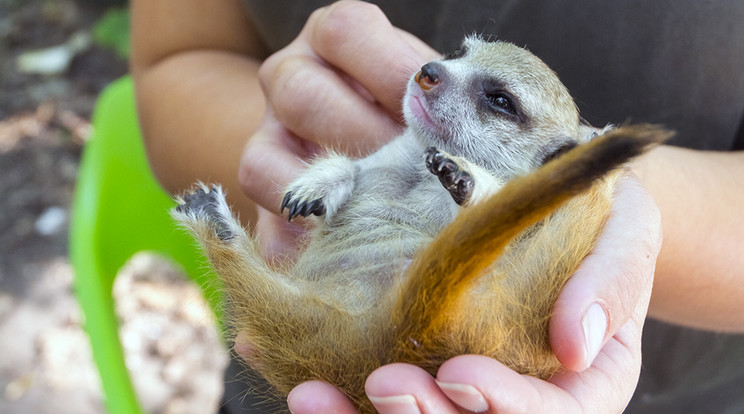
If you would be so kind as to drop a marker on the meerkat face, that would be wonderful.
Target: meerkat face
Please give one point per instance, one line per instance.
(495, 104)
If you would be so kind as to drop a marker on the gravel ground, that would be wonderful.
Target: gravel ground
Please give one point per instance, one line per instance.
(45, 363)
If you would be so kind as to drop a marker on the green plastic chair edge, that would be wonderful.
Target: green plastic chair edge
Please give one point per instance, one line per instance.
(94, 292)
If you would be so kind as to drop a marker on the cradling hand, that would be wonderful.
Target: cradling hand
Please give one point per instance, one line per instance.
(338, 85)
(595, 332)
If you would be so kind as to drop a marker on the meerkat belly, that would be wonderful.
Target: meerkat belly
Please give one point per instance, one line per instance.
(373, 237)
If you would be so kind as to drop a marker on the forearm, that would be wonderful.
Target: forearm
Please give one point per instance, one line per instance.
(197, 109)
(700, 271)
(195, 66)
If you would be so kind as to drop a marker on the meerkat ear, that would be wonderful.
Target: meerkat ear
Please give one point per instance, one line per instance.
(561, 145)
(556, 148)
(587, 132)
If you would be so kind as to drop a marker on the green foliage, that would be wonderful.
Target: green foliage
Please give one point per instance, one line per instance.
(112, 31)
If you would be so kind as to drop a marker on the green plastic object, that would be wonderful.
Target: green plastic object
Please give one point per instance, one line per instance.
(118, 210)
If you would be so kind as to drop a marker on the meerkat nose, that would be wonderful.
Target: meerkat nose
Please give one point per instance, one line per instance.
(427, 77)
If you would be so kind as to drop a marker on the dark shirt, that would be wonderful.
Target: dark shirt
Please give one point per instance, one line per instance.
(679, 63)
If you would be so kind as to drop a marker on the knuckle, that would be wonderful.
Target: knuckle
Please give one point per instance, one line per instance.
(269, 70)
(248, 172)
(292, 90)
(632, 282)
(316, 17)
(334, 23)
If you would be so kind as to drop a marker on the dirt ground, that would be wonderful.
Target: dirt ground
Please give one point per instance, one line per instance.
(45, 362)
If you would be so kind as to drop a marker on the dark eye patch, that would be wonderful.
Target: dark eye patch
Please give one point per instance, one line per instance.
(457, 53)
(498, 100)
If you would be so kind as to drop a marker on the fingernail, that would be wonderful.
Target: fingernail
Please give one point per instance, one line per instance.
(466, 396)
(594, 325)
(396, 404)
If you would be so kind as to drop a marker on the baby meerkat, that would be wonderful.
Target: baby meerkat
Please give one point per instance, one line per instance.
(454, 238)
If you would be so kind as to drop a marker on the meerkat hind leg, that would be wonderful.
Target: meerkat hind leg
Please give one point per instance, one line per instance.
(296, 331)
(234, 255)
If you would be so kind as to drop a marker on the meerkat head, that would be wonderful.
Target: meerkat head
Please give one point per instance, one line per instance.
(495, 104)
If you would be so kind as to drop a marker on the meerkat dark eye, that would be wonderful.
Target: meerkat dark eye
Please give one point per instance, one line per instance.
(495, 98)
(501, 102)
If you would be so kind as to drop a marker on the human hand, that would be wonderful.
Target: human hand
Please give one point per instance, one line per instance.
(600, 345)
(324, 90)
(338, 85)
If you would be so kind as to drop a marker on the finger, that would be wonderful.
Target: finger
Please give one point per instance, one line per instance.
(246, 350)
(423, 49)
(279, 239)
(318, 397)
(611, 282)
(481, 384)
(358, 39)
(271, 159)
(470, 380)
(398, 388)
(244, 347)
(316, 103)
(611, 380)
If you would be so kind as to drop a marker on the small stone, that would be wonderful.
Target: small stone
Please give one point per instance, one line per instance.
(51, 221)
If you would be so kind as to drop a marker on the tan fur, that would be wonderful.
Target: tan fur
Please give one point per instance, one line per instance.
(484, 284)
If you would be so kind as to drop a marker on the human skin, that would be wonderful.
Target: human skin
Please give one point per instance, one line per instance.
(195, 68)
(214, 108)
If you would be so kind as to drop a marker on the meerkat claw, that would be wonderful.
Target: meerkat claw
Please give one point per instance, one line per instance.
(433, 155)
(285, 202)
(302, 208)
(457, 181)
(205, 202)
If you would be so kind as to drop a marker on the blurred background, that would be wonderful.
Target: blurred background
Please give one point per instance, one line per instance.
(55, 58)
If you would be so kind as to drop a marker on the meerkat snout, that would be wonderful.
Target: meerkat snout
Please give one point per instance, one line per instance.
(428, 76)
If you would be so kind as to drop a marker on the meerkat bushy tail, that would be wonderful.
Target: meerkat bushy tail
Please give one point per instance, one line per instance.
(300, 333)
(270, 306)
(447, 268)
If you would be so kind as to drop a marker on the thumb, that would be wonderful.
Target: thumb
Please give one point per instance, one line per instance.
(613, 283)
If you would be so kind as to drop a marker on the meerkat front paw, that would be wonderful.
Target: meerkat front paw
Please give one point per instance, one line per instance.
(321, 190)
(453, 177)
